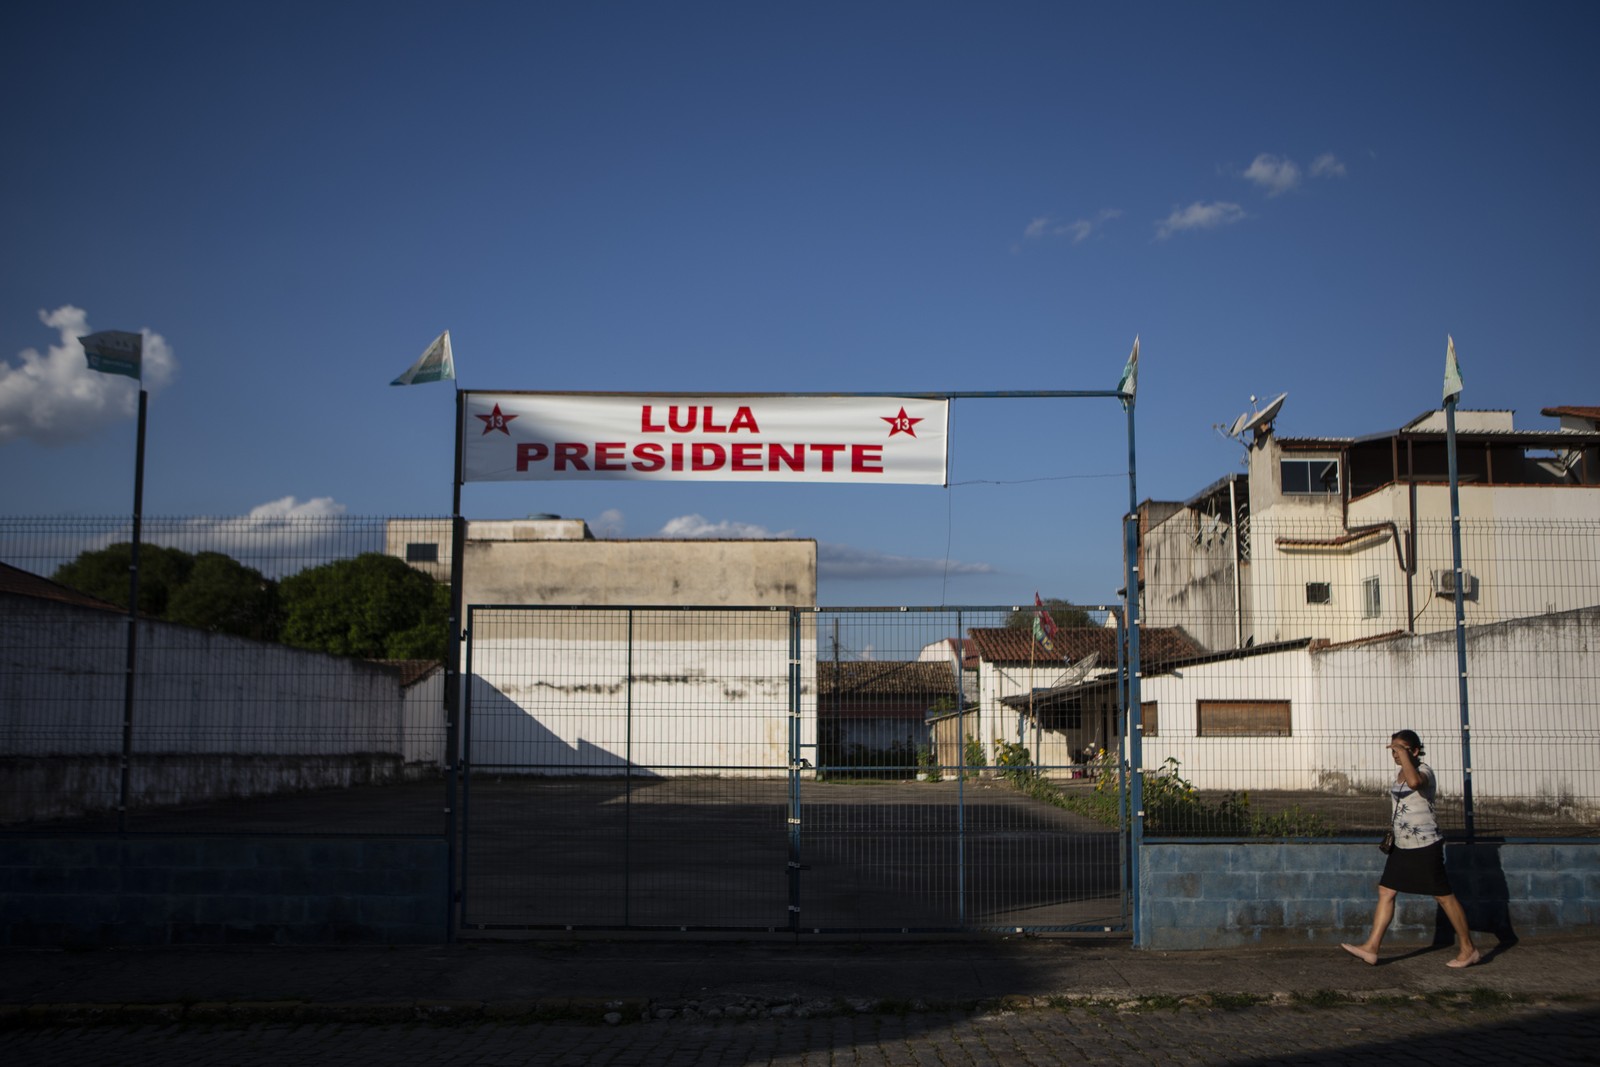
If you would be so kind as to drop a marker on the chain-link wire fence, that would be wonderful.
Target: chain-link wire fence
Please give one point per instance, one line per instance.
(272, 669)
(1278, 657)
(1324, 639)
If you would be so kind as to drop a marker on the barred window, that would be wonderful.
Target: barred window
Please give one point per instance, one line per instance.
(1319, 593)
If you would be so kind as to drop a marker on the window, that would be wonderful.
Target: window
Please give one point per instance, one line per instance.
(1310, 476)
(422, 553)
(1149, 718)
(1371, 599)
(1243, 718)
(1319, 593)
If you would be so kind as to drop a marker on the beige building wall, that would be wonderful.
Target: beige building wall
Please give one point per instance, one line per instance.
(597, 691)
(558, 561)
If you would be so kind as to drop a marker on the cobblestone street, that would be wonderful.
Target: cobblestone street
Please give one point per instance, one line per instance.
(1459, 1034)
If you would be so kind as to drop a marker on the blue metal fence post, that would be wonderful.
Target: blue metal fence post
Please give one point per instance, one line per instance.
(1461, 618)
(1135, 724)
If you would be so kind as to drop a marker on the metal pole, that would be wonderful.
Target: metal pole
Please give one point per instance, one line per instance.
(131, 669)
(1135, 724)
(794, 769)
(1238, 566)
(1124, 853)
(627, 788)
(453, 754)
(961, 775)
(1461, 621)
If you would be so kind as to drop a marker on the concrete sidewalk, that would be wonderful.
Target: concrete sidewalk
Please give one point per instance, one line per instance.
(625, 981)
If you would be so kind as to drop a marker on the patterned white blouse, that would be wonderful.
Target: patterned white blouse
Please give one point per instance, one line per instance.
(1414, 824)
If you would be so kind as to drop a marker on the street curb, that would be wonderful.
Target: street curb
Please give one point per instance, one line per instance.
(616, 1012)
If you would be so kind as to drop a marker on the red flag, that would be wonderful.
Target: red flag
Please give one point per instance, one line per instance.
(1044, 627)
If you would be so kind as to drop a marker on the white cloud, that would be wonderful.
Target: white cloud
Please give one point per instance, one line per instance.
(697, 527)
(608, 524)
(833, 561)
(1075, 231)
(55, 398)
(1327, 165)
(289, 507)
(1273, 174)
(277, 538)
(1199, 216)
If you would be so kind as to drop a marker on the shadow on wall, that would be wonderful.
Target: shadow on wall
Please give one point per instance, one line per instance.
(1480, 884)
(503, 737)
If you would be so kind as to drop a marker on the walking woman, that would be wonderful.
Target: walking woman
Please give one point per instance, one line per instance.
(1416, 863)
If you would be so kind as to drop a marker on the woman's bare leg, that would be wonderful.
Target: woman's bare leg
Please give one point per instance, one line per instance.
(1382, 916)
(1466, 952)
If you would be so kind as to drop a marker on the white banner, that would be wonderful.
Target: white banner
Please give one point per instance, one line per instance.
(550, 437)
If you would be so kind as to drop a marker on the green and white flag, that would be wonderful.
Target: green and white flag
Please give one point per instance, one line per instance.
(435, 365)
(1130, 376)
(1452, 371)
(114, 352)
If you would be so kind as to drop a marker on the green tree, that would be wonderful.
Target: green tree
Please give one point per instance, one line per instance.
(103, 573)
(1063, 612)
(209, 591)
(374, 606)
(225, 596)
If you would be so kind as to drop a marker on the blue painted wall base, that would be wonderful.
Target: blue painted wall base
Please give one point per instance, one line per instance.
(1197, 894)
(93, 890)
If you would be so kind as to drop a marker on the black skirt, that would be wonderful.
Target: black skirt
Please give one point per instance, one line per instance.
(1417, 870)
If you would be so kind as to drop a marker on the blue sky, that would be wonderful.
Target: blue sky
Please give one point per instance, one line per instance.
(298, 197)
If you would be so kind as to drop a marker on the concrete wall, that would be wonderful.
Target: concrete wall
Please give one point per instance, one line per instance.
(92, 890)
(672, 693)
(1190, 581)
(214, 715)
(557, 561)
(1198, 895)
(1531, 685)
(422, 735)
(619, 573)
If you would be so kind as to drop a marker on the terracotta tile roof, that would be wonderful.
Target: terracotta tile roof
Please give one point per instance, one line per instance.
(1577, 411)
(1157, 644)
(19, 582)
(412, 671)
(879, 678)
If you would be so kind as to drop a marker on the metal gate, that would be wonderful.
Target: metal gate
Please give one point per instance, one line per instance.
(759, 769)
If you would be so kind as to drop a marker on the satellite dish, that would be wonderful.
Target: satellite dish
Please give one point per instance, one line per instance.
(1075, 674)
(1238, 424)
(1264, 417)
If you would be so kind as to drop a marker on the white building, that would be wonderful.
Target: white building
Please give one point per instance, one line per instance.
(591, 656)
(1343, 538)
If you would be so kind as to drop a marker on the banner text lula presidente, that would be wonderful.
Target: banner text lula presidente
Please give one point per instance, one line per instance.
(700, 455)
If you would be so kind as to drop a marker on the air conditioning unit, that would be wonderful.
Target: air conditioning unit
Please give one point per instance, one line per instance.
(1444, 583)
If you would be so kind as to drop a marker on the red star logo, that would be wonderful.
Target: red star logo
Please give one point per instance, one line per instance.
(901, 423)
(496, 420)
